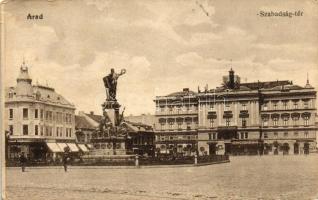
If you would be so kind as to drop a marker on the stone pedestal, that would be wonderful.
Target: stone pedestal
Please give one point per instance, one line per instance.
(112, 143)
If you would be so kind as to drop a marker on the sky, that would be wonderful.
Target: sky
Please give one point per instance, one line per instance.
(164, 46)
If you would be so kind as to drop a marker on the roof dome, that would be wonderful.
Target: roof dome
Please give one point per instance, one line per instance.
(24, 74)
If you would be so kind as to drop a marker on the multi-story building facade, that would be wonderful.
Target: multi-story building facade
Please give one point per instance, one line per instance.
(177, 122)
(38, 121)
(275, 117)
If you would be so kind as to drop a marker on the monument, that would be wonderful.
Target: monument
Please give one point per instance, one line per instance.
(111, 136)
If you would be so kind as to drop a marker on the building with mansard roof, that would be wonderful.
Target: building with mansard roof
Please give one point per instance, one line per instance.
(39, 121)
(273, 117)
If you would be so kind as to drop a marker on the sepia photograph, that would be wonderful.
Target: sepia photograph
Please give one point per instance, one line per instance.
(159, 99)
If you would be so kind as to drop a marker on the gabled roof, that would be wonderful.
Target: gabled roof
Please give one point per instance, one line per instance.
(138, 126)
(94, 117)
(82, 123)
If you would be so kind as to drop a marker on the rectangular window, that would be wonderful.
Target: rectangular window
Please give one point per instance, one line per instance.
(246, 135)
(285, 105)
(306, 104)
(25, 130)
(170, 109)
(170, 125)
(275, 134)
(265, 122)
(227, 106)
(11, 113)
(162, 126)
(188, 107)
(295, 121)
(228, 121)
(36, 130)
(211, 106)
(162, 109)
(211, 123)
(242, 135)
(306, 134)
(11, 129)
(275, 121)
(210, 136)
(275, 105)
(295, 105)
(265, 135)
(243, 122)
(42, 130)
(285, 134)
(70, 132)
(306, 121)
(179, 126)
(214, 136)
(265, 106)
(36, 114)
(244, 107)
(25, 113)
(57, 131)
(285, 121)
(41, 114)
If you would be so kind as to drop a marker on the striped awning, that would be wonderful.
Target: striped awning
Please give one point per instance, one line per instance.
(72, 147)
(54, 148)
(83, 147)
(62, 146)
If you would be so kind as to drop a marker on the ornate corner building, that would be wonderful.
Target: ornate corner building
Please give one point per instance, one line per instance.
(275, 117)
(38, 121)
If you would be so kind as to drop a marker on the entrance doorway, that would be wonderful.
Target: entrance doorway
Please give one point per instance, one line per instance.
(212, 149)
(306, 148)
(296, 148)
(285, 148)
(228, 148)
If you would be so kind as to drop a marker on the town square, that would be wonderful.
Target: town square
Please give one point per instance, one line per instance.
(159, 100)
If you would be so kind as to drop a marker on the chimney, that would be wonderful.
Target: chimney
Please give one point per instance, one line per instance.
(92, 112)
(185, 89)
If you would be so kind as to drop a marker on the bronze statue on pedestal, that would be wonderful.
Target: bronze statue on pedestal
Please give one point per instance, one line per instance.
(110, 82)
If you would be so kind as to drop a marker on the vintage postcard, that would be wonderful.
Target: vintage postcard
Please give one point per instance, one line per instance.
(161, 99)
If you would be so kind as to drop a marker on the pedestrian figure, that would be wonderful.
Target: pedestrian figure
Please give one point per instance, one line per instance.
(65, 159)
(23, 161)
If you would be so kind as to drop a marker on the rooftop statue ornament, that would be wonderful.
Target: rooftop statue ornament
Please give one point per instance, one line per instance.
(110, 82)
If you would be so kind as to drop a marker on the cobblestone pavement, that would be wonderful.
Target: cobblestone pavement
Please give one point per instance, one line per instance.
(266, 177)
